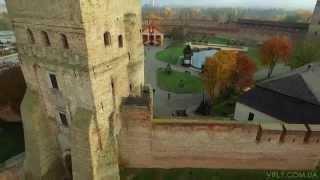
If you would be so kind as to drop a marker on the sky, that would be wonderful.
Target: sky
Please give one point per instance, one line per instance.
(284, 4)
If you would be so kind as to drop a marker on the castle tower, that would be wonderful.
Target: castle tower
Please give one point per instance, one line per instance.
(314, 28)
(79, 59)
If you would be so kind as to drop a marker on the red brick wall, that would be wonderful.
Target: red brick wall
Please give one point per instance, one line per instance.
(146, 143)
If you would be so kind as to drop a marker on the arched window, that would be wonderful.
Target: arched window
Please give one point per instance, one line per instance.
(45, 38)
(64, 41)
(30, 36)
(107, 39)
(120, 41)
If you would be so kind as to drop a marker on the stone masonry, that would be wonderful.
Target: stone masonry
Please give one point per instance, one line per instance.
(79, 59)
(86, 111)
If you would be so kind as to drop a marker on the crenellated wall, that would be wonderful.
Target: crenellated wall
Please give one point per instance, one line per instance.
(203, 143)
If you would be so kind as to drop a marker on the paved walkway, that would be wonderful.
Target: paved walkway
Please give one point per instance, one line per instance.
(162, 106)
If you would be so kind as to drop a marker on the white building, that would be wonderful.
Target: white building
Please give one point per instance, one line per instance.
(293, 98)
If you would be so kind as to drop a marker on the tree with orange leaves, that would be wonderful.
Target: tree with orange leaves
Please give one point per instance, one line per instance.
(244, 72)
(217, 73)
(275, 50)
(227, 70)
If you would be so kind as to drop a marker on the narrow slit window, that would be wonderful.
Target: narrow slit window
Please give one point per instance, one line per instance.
(54, 82)
(64, 41)
(63, 119)
(45, 38)
(30, 36)
(120, 39)
(107, 39)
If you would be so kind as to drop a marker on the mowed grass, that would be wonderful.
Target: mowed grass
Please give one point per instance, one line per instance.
(254, 54)
(211, 39)
(178, 82)
(11, 140)
(198, 174)
(218, 40)
(171, 54)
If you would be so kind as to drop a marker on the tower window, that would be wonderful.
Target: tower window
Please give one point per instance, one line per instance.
(30, 36)
(63, 119)
(45, 38)
(54, 82)
(120, 40)
(64, 41)
(107, 39)
(251, 117)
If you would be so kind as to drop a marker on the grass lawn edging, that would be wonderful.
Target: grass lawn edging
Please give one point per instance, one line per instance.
(178, 82)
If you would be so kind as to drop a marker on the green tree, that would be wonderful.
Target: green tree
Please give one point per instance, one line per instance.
(305, 52)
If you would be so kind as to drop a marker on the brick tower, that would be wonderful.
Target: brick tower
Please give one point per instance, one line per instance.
(314, 28)
(79, 59)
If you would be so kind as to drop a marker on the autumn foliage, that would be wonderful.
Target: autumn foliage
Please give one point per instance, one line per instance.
(275, 50)
(245, 71)
(225, 70)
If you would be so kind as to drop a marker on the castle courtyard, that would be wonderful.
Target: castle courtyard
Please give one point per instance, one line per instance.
(163, 106)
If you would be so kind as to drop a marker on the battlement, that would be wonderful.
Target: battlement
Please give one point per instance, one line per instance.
(207, 143)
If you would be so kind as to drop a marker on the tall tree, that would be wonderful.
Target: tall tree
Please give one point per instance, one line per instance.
(227, 70)
(218, 72)
(275, 50)
(244, 72)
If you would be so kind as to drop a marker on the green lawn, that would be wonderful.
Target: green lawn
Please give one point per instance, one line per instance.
(11, 140)
(254, 54)
(211, 39)
(202, 174)
(218, 40)
(178, 82)
(171, 54)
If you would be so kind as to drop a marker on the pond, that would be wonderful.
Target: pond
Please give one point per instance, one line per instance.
(199, 58)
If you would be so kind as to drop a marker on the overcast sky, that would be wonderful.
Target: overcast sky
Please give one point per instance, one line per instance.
(285, 4)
